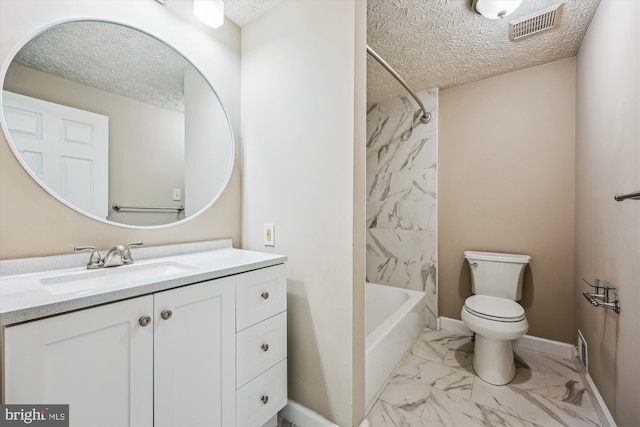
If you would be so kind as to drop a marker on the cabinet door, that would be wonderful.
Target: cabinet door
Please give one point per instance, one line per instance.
(98, 360)
(194, 355)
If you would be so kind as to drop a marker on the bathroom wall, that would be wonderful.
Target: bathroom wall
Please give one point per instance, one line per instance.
(32, 223)
(303, 161)
(608, 232)
(506, 184)
(402, 223)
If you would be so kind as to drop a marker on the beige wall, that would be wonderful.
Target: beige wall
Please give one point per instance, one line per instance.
(608, 232)
(303, 138)
(506, 184)
(32, 223)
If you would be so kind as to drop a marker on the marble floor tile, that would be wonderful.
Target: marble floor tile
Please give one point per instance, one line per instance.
(451, 410)
(548, 364)
(530, 380)
(513, 402)
(384, 414)
(433, 345)
(407, 394)
(463, 343)
(568, 414)
(460, 359)
(435, 385)
(569, 391)
(499, 419)
(453, 380)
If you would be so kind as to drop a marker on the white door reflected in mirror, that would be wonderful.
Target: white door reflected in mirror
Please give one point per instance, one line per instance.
(66, 148)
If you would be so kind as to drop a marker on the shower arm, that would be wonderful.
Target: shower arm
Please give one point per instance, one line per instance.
(426, 117)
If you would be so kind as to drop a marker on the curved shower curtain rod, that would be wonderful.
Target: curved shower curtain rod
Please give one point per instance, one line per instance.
(426, 116)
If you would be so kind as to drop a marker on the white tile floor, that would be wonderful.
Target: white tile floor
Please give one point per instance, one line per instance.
(435, 386)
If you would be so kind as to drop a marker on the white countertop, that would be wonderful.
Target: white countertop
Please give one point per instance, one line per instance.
(24, 297)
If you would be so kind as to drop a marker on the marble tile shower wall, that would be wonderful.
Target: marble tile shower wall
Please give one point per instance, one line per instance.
(402, 160)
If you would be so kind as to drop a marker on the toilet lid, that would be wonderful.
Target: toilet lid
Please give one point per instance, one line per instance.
(494, 308)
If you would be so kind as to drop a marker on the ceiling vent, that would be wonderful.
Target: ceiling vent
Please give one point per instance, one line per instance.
(532, 24)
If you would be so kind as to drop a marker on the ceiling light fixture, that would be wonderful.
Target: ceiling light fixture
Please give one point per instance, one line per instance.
(495, 9)
(211, 12)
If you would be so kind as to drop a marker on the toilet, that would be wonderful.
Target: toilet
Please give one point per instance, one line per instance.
(493, 313)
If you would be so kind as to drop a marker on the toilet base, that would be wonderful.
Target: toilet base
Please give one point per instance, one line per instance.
(493, 360)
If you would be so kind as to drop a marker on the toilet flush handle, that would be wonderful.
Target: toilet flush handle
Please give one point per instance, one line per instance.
(473, 264)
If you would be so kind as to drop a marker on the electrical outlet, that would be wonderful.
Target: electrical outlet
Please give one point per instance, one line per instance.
(269, 235)
(176, 194)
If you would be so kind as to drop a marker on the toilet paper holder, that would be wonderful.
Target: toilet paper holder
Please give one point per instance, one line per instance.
(601, 296)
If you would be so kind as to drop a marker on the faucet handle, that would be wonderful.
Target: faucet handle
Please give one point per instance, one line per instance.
(95, 261)
(127, 259)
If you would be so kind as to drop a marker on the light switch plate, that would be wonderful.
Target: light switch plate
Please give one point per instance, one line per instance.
(269, 235)
(176, 194)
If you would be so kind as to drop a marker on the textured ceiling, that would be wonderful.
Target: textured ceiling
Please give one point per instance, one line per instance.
(430, 43)
(244, 11)
(120, 60)
(110, 57)
(443, 43)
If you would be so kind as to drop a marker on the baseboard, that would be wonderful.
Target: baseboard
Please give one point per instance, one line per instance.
(543, 345)
(302, 416)
(453, 325)
(600, 401)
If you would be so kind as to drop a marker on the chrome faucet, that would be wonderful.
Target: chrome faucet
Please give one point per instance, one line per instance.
(115, 257)
(118, 255)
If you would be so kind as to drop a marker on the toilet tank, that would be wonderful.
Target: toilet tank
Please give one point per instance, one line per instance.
(497, 274)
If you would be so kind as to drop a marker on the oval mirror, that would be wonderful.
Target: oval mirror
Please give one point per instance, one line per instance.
(116, 124)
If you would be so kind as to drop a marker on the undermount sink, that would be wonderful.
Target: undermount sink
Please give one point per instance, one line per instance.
(90, 280)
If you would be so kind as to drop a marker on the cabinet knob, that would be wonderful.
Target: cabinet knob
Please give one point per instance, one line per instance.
(265, 295)
(264, 347)
(264, 399)
(144, 320)
(166, 314)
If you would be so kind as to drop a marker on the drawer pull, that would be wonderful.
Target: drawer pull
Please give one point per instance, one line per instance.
(265, 295)
(264, 347)
(166, 314)
(264, 399)
(144, 320)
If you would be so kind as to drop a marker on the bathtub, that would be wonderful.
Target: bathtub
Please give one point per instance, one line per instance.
(395, 317)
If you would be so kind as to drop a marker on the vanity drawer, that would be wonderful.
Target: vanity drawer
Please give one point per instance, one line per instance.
(261, 398)
(260, 347)
(260, 294)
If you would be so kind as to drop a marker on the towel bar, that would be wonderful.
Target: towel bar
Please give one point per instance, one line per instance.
(117, 207)
(633, 196)
(601, 299)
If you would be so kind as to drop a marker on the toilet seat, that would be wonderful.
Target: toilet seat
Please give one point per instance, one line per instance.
(494, 308)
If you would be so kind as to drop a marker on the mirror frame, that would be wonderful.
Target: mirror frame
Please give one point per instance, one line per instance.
(3, 72)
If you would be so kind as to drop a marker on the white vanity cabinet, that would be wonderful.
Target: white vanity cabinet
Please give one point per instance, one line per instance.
(211, 353)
